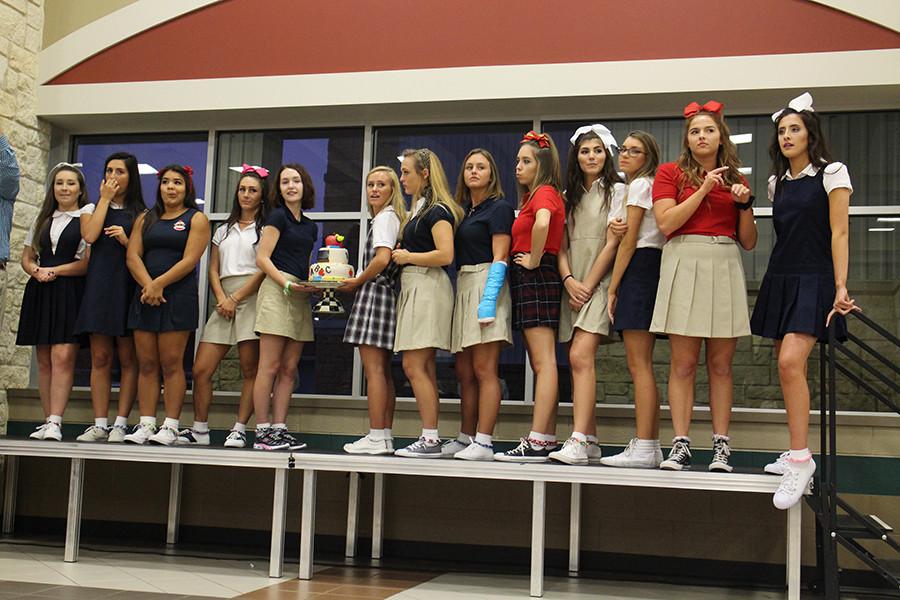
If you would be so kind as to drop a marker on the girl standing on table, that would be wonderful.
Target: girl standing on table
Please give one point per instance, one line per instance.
(373, 319)
(702, 204)
(426, 296)
(163, 252)
(483, 307)
(535, 285)
(108, 290)
(55, 258)
(235, 280)
(805, 285)
(283, 315)
(593, 190)
(632, 294)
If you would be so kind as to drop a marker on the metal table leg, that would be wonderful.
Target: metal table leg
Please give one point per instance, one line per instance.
(378, 516)
(792, 563)
(539, 499)
(73, 515)
(574, 527)
(279, 517)
(174, 516)
(11, 478)
(352, 515)
(307, 523)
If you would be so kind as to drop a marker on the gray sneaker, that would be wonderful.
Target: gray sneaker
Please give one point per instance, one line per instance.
(422, 448)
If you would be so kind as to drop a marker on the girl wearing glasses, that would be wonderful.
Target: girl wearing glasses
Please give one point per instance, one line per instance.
(702, 205)
(632, 293)
(108, 291)
(593, 190)
(55, 258)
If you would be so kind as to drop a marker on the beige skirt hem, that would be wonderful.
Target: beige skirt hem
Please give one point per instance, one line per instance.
(466, 330)
(424, 309)
(241, 328)
(278, 314)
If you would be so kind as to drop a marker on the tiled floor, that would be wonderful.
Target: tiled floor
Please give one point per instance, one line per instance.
(39, 573)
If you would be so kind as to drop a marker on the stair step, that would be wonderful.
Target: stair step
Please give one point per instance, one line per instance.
(892, 566)
(853, 528)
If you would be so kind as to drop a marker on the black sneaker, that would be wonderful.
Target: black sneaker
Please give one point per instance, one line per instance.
(679, 456)
(721, 454)
(268, 439)
(527, 451)
(292, 442)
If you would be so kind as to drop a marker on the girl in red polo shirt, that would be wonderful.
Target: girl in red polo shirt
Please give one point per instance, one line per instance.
(702, 205)
(535, 285)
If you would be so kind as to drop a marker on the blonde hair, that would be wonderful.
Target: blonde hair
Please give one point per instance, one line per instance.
(436, 189)
(726, 156)
(548, 170)
(495, 190)
(397, 202)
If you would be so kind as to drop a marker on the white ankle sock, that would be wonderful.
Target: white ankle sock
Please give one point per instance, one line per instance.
(201, 427)
(262, 426)
(484, 439)
(279, 425)
(148, 421)
(101, 422)
(800, 455)
(430, 434)
(238, 426)
(376, 434)
(592, 439)
(388, 433)
(169, 422)
(646, 444)
(579, 436)
(121, 422)
(542, 437)
(464, 438)
(55, 419)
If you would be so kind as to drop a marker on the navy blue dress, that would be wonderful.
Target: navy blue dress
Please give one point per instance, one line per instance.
(797, 291)
(109, 286)
(164, 244)
(49, 309)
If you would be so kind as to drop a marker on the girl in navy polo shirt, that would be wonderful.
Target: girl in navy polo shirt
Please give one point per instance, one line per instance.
(483, 307)
(425, 304)
(165, 247)
(702, 204)
(56, 259)
(593, 191)
(283, 315)
(805, 285)
(535, 285)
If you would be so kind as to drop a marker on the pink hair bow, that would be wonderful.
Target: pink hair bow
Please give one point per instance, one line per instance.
(711, 106)
(261, 171)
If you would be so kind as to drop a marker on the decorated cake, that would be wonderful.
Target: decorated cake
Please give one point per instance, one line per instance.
(332, 262)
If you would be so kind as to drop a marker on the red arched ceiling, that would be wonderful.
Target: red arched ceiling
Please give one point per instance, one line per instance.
(243, 38)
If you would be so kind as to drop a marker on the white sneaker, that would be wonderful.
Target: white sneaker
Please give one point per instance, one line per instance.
(366, 445)
(594, 453)
(635, 458)
(140, 434)
(189, 437)
(573, 452)
(38, 433)
(93, 433)
(166, 436)
(117, 434)
(794, 483)
(451, 447)
(236, 439)
(476, 451)
(53, 432)
(779, 466)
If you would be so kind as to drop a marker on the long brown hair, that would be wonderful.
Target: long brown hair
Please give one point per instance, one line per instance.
(495, 190)
(609, 176)
(651, 152)
(816, 145)
(548, 170)
(726, 156)
(50, 204)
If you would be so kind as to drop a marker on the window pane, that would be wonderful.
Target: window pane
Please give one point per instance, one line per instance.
(153, 152)
(333, 158)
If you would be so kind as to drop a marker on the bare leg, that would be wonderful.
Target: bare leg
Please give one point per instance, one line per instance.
(128, 370)
(147, 350)
(541, 344)
(582, 361)
(379, 385)
(101, 373)
(793, 354)
(205, 364)
(284, 385)
(62, 356)
(171, 357)
(682, 373)
(486, 360)
(45, 375)
(270, 349)
(248, 355)
(639, 353)
(719, 356)
(468, 390)
(419, 366)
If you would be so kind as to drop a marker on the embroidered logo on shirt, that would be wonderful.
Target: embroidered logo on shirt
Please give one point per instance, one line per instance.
(179, 226)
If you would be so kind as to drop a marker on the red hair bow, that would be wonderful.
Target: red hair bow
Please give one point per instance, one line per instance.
(693, 108)
(541, 139)
(188, 170)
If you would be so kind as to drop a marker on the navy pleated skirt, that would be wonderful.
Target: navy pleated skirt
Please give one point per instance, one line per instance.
(796, 303)
(637, 291)
(49, 311)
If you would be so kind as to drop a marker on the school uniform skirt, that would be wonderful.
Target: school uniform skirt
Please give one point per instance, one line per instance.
(373, 318)
(229, 332)
(279, 314)
(536, 294)
(637, 291)
(49, 311)
(702, 292)
(796, 303)
(467, 331)
(180, 311)
(424, 309)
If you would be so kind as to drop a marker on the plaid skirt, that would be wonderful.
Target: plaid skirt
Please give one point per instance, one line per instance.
(373, 319)
(536, 294)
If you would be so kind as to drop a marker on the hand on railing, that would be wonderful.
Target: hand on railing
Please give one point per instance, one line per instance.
(843, 304)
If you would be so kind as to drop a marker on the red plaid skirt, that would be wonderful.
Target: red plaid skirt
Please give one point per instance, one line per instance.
(536, 294)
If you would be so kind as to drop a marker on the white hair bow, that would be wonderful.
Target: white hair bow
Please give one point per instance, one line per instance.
(802, 102)
(602, 132)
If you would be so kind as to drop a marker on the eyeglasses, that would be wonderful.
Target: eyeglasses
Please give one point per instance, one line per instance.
(632, 152)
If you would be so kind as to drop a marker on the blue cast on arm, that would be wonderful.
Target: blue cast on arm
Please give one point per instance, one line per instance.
(487, 308)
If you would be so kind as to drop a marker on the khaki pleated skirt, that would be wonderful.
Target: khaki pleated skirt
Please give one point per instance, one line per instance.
(592, 317)
(287, 316)
(424, 309)
(219, 330)
(702, 292)
(467, 331)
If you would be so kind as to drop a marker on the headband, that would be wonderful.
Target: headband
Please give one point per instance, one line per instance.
(802, 102)
(261, 171)
(711, 106)
(541, 139)
(76, 166)
(605, 135)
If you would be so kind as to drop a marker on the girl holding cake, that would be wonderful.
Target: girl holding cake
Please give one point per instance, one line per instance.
(283, 315)
(426, 295)
(535, 285)
(593, 191)
(55, 259)
(483, 307)
(235, 280)
(373, 319)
